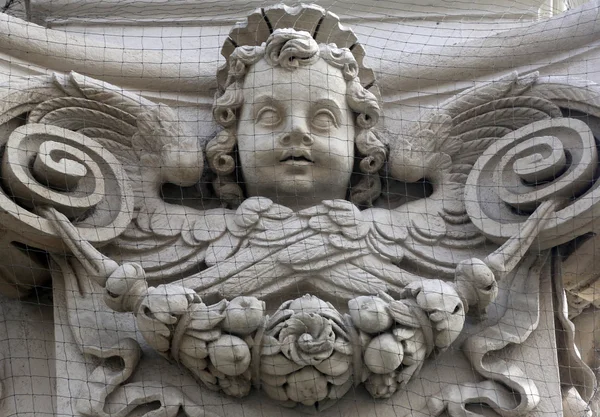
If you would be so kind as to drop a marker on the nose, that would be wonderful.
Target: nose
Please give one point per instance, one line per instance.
(298, 133)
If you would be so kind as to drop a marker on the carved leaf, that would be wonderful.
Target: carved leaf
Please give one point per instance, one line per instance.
(402, 314)
(484, 132)
(73, 104)
(157, 334)
(386, 247)
(209, 226)
(221, 249)
(581, 95)
(169, 220)
(479, 95)
(537, 103)
(205, 317)
(512, 118)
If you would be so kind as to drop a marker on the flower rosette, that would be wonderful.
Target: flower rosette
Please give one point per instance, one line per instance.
(306, 354)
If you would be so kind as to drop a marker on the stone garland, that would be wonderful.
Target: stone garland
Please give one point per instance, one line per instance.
(306, 352)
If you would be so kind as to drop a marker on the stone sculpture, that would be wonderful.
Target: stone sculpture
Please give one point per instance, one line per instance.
(303, 187)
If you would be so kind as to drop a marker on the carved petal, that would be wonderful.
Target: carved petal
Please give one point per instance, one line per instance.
(270, 346)
(294, 326)
(275, 392)
(342, 346)
(277, 365)
(337, 364)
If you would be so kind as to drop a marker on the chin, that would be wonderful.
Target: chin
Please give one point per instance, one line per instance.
(296, 188)
(306, 189)
(312, 191)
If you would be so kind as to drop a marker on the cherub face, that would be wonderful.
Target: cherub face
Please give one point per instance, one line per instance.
(296, 134)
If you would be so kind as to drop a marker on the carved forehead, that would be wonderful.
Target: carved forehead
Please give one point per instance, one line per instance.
(319, 78)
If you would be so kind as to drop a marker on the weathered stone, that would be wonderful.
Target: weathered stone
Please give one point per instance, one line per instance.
(446, 290)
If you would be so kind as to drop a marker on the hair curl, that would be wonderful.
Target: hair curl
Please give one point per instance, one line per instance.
(291, 49)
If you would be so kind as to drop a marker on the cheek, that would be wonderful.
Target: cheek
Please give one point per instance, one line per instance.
(256, 150)
(337, 152)
(245, 149)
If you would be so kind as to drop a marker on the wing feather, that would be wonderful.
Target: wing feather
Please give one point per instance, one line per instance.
(457, 133)
(165, 238)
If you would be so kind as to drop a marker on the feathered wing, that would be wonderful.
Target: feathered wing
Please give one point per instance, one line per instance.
(152, 146)
(330, 248)
(436, 232)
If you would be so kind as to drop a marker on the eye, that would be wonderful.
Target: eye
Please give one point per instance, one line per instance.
(324, 119)
(268, 116)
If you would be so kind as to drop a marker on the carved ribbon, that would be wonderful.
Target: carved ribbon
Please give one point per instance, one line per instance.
(520, 318)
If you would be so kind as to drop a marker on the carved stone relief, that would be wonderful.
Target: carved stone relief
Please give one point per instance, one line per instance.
(299, 271)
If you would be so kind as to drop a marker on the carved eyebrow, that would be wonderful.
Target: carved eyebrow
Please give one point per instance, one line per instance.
(328, 104)
(261, 101)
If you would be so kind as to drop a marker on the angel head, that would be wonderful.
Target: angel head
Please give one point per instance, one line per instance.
(297, 125)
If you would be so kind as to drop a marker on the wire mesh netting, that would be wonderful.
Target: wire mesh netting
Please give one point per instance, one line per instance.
(347, 208)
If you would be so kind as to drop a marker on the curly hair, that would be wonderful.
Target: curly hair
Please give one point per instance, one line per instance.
(291, 49)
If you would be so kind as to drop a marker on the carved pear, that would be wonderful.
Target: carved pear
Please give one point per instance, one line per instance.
(229, 355)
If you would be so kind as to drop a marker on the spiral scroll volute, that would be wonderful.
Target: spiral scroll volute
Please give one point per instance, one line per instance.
(48, 166)
(553, 160)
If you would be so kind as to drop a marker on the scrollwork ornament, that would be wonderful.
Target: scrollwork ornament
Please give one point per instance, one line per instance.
(45, 165)
(551, 161)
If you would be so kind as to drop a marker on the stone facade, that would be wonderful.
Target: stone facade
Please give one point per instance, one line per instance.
(320, 220)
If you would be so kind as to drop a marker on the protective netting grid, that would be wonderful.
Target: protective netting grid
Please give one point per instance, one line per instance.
(298, 230)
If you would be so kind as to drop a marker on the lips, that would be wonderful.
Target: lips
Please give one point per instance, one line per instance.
(296, 157)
